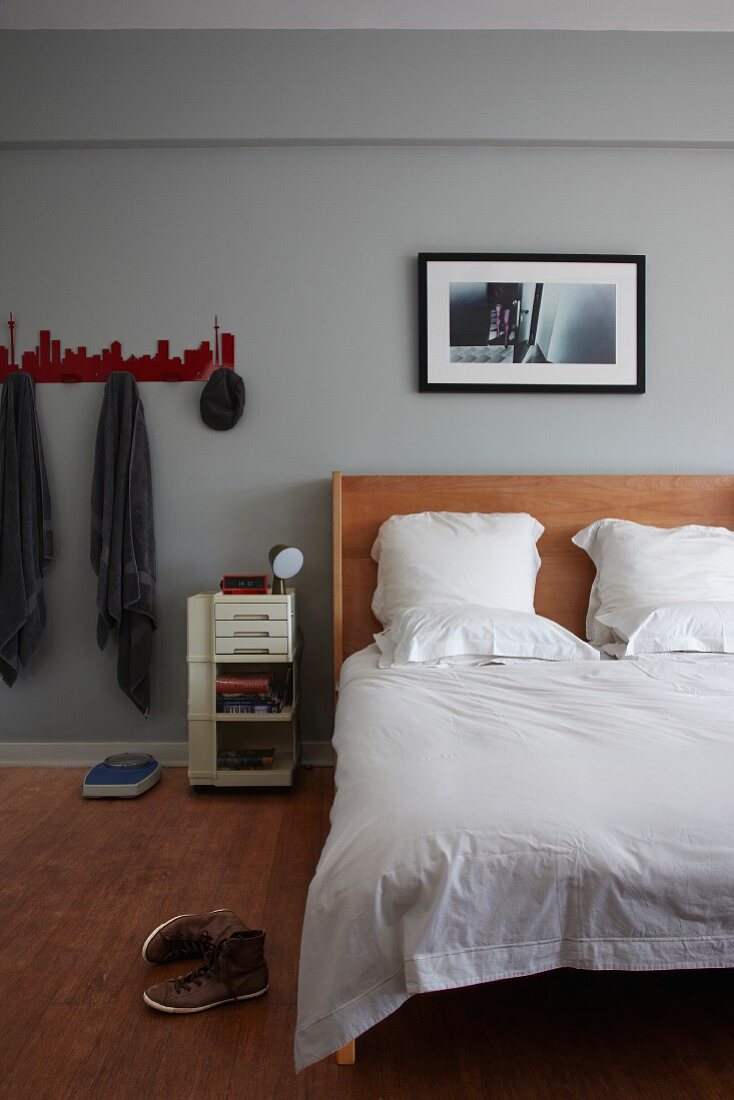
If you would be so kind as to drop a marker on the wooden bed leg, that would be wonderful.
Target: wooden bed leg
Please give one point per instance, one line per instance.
(347, 1055)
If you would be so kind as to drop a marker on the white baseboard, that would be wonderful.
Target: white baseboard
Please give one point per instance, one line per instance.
(72, 754)
(78, 754)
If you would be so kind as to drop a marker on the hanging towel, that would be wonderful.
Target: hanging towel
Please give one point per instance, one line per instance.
(123, 540)
(26, 537)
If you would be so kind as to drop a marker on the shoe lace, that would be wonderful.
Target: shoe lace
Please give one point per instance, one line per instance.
(204, 970)
(183, 946)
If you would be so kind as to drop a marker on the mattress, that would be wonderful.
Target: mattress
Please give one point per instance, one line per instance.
(504, 820)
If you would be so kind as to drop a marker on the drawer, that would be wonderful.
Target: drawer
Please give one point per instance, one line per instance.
(251, 628)
(245, 647)
(245, 609)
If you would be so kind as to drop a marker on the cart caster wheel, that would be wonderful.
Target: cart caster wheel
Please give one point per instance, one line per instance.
(202, 788)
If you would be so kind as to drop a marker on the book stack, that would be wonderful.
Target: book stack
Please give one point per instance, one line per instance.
(245, 759)
(251, 693)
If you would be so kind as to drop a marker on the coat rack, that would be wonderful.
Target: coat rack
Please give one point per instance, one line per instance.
(47, 363)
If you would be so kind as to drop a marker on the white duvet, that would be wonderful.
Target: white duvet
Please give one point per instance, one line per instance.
(496, 821)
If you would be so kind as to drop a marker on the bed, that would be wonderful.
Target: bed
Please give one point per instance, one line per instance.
(505, 820)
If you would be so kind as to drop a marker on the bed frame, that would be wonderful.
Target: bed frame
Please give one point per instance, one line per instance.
(563, 504)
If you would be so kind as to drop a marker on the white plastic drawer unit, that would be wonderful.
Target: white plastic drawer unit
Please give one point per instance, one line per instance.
(246, 609)
(250, 647)
(241, 636)
(250, 627)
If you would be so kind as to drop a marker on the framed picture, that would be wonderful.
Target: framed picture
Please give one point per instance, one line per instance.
(514, 322)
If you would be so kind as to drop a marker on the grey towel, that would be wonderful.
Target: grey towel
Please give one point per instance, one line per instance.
(123, 539)
(26, 537)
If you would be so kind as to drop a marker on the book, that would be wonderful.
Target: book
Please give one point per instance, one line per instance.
(260, 683)
(242, 697)
(242, 759)
(248, 702)
(248, 708)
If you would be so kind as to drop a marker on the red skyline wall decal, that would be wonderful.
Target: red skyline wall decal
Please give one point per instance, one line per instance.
(47, 362)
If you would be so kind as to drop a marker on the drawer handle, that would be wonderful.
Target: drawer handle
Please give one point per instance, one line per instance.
(251, 618)
(243, 650)
(250, 634)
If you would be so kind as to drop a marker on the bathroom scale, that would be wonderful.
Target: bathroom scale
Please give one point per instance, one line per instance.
(125, 775)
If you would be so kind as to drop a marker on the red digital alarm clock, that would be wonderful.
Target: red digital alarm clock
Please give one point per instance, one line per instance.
(244, 584)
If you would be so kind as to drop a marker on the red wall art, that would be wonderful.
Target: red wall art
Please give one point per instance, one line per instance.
(47, 362)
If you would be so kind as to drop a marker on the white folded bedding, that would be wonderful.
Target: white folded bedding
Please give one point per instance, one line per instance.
(497, 821)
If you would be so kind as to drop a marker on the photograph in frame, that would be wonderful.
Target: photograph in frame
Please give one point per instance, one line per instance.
(535, 322)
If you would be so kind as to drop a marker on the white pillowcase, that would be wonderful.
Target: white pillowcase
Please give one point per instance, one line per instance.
(432, 634)
(640, 566)
(673, 628)
(431, 558)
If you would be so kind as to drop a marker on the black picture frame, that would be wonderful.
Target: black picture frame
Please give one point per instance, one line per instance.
(436, 366)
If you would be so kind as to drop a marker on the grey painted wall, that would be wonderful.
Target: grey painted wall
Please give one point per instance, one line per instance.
(271, 86)
(308, 255)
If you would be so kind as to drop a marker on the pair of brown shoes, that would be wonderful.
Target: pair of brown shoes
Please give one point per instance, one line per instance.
(233, 967)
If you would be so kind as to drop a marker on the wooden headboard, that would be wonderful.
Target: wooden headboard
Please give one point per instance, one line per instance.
(562, 504)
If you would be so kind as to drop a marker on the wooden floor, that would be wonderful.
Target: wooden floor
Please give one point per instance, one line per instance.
(82, 883)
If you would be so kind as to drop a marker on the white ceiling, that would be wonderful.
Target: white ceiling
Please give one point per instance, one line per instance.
(652, 15)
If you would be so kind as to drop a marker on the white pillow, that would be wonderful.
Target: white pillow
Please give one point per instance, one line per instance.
(673, 628)
(431, 634)
(431, 558)
(640, 566)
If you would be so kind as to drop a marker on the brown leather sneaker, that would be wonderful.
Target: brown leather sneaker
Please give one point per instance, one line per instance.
(233, 970)
(189, 935)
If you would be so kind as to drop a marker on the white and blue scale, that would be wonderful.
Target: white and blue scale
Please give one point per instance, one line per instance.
(125, 775)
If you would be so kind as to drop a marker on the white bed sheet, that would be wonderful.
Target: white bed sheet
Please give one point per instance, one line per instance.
(498, 821)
